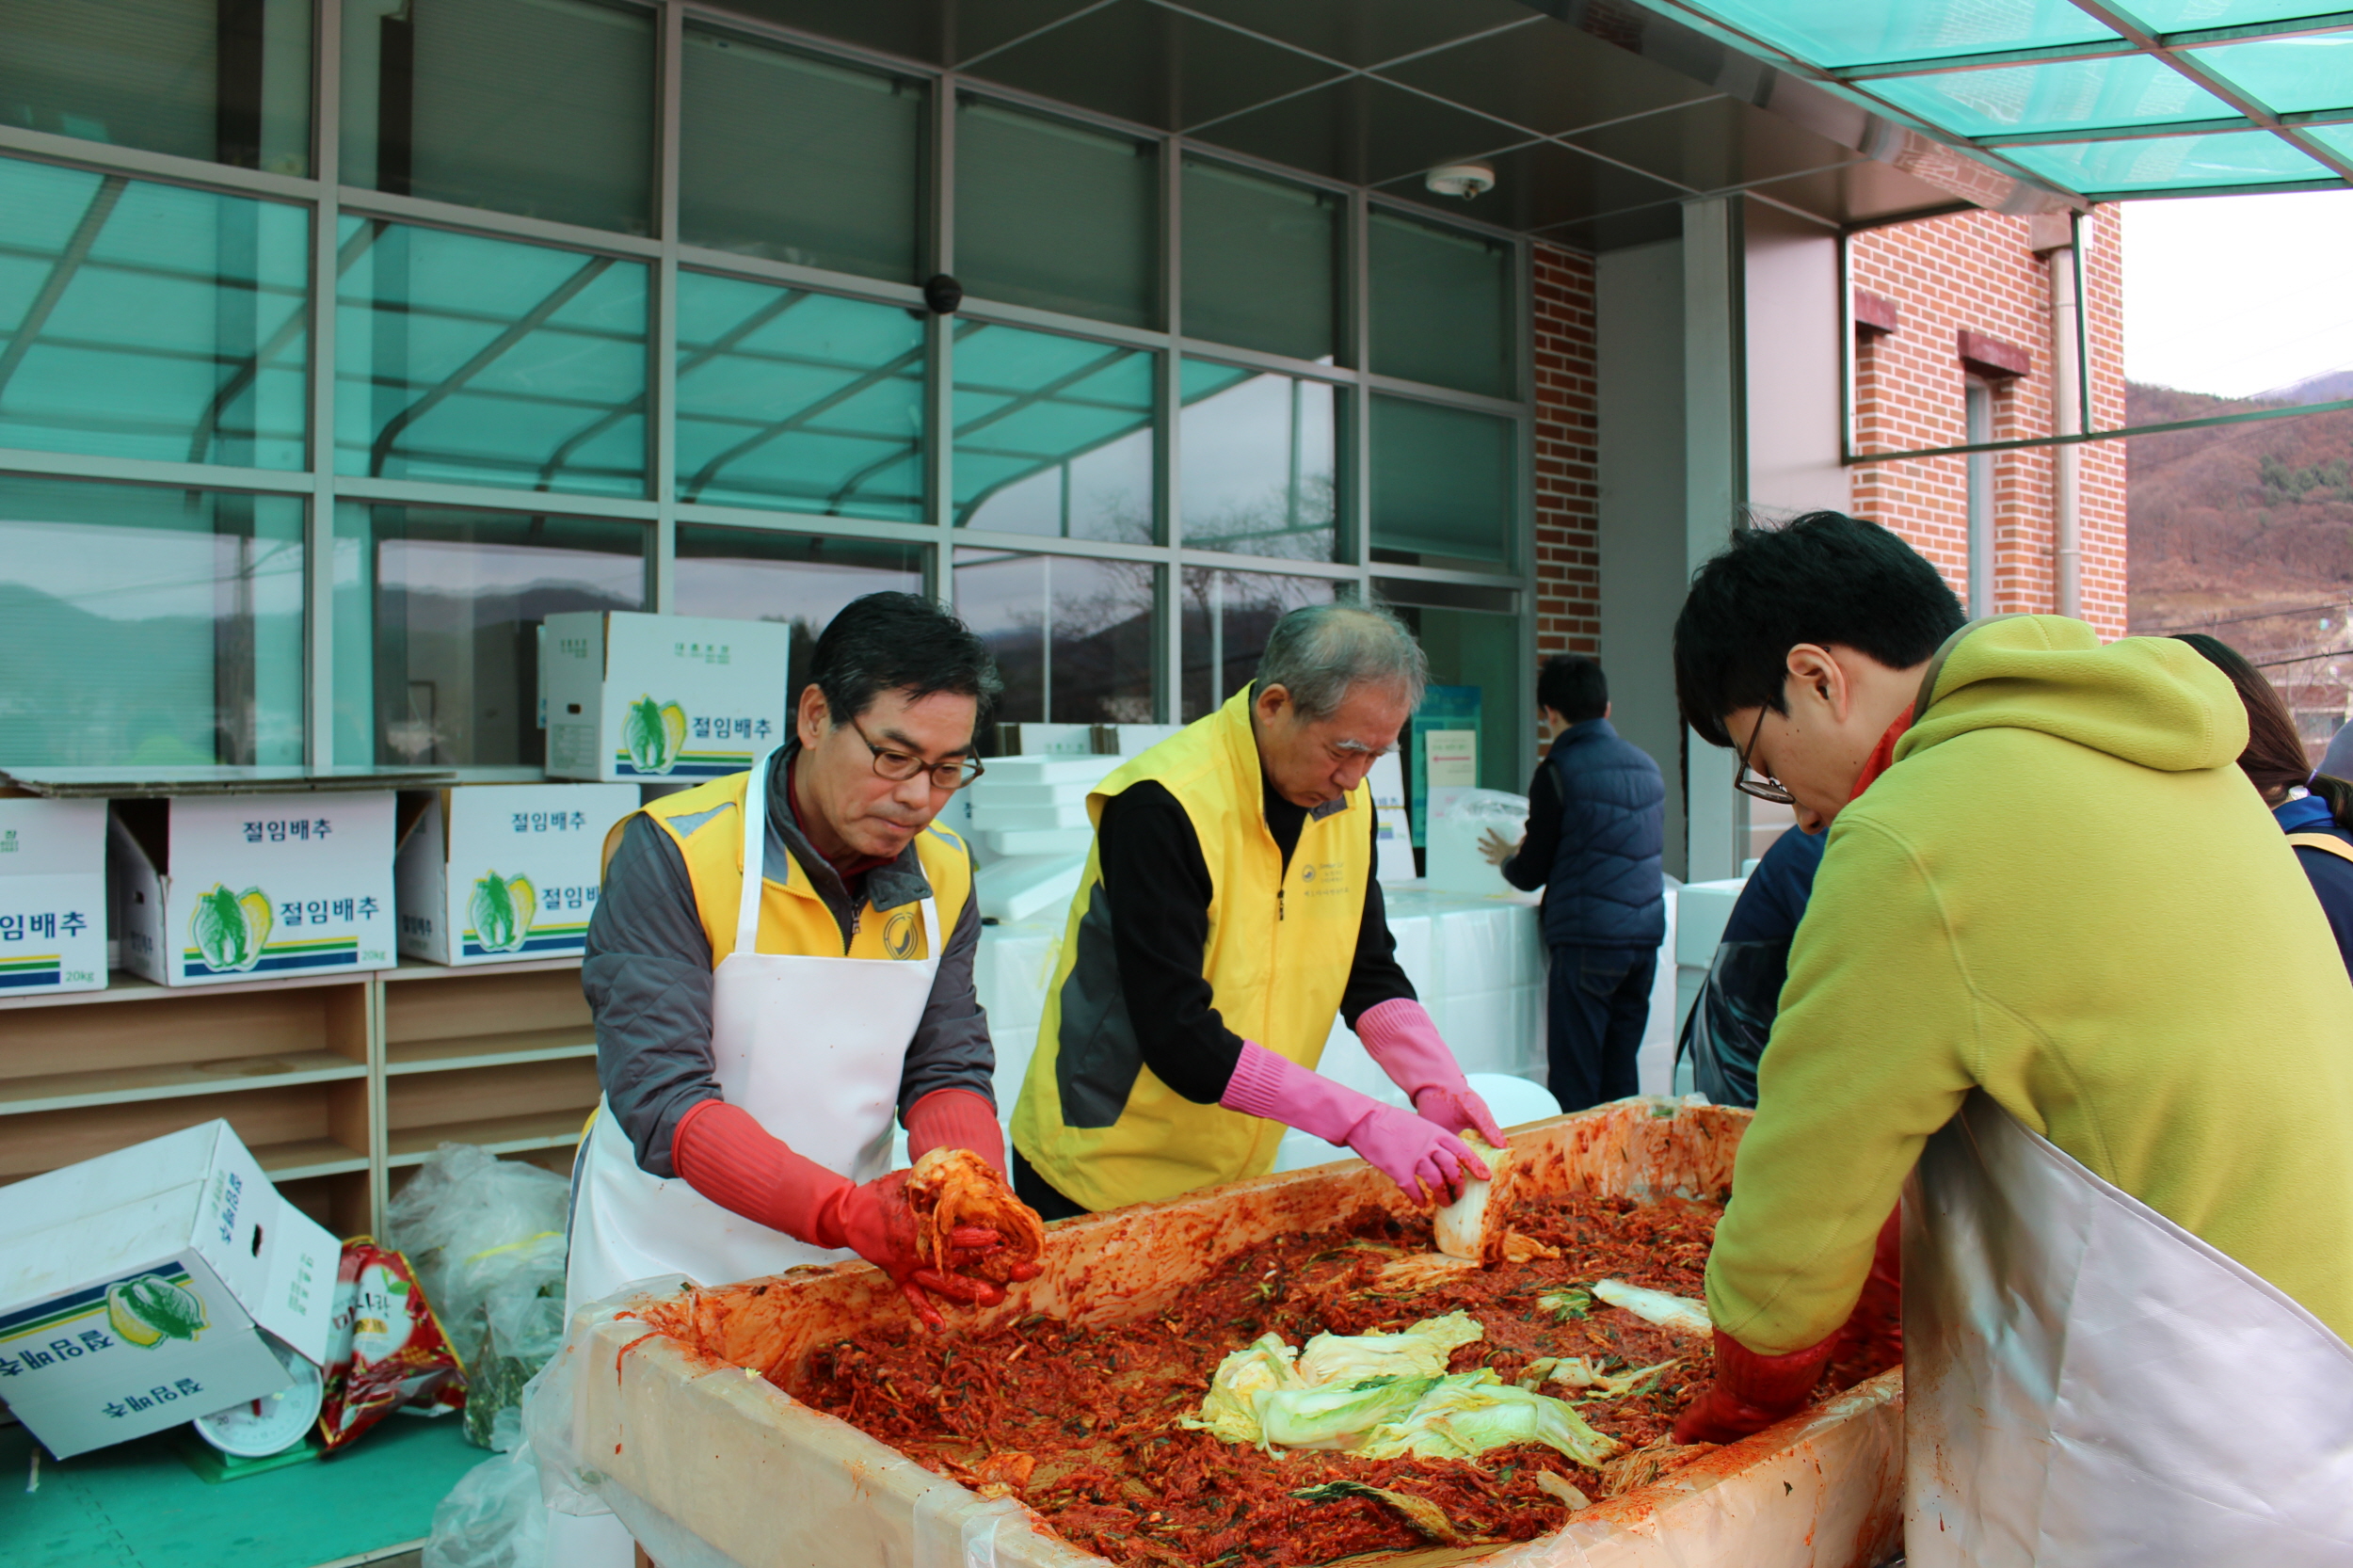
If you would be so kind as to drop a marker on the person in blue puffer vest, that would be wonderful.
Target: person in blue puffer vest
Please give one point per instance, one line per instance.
(2312, 809)
(1732, 1016)
(1596, 815)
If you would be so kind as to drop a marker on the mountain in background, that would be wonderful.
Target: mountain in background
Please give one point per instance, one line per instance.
(2233, 520)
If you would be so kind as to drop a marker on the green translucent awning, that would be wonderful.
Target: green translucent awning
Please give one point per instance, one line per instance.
(2105, 101)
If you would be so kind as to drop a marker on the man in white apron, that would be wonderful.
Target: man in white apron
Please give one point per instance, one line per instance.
(2059, 959)
(768, 1000)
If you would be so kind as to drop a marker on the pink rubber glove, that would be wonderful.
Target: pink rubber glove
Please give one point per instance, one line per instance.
(1424, 1160)
(1401, 1036)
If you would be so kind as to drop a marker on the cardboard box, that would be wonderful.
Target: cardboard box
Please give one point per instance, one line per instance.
(53, 895)
(214, 890)
(488, 873)
(134, 1289)
(633, 697)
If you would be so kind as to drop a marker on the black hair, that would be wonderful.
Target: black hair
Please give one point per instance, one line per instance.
(1824, 578)
(895, 642)
(2275, 758)
(1573, 686)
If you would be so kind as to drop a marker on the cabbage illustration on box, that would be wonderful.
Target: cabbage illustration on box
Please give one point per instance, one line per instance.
(633, 697)
(53, 895)
(491, 873)
(150, 1309)
(238, 888)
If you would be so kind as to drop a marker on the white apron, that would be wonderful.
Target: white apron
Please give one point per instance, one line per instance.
(2088, 1384)
(813, 1047)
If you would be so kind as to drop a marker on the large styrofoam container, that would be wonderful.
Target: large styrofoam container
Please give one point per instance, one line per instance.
(709, 1462)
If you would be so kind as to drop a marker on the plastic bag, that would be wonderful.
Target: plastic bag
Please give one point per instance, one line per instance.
(384, 1347)
(1460, 820)
(1732, 1019)
(486, 1236)
(493, 1517)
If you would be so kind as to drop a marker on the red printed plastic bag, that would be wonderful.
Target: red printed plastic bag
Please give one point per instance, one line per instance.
(385, 1348)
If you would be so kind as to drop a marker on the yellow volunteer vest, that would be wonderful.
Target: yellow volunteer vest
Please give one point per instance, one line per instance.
(1093, 1119)
(707, 824)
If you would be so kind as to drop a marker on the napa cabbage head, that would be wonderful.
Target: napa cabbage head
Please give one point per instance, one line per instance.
(1420, 1351)
(653, 733)
(1337, 1416)
(230, 929)
(1229, 1409)
(1463, 1415)
(502, 910)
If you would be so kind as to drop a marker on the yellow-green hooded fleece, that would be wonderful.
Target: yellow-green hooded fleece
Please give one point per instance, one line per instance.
(2065, 892)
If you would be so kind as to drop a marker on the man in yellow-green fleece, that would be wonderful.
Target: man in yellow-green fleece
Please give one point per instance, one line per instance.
(2061, 988)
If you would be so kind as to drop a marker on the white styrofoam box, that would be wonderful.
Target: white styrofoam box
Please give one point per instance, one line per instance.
(1026, 887)
(53, 896)
(1027, 769)
(988, 794)
(1014, 819)
(1703, 909)
(1035, 840)
(135, 1288)
(1393, 823)
(1455, 861)
(542, 844)
(212, 889)
(1010, 975)
(633, 697)
(1055, 740)
(1653, 1063)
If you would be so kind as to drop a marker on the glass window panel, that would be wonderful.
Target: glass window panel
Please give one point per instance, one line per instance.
(1227, 618)
(2173, 16)
(1469, 647)
(543, 107)
(1261, 258)
(798, 160)
(2120, 89)
(1442, 306)
(1053, 215)
(1442, 484)
(436, 616)
(149, 628)
(2337, 138)
(483, 361)
(1846, 32)
(141, 320)
(2169, 162)
(1258, 470)
(1075, 639)
(804, 579)
(2290, 75)
(1053, 434)
(808, 402)
(196, 79)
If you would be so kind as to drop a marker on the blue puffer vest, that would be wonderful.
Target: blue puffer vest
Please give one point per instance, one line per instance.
(1606, 890)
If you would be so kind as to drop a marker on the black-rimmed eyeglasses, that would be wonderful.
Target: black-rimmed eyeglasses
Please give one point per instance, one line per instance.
(899, 766)
(1764, 786)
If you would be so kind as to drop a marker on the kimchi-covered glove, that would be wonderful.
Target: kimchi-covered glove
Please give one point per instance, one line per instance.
(722, 1151)
(1400, 1035)
(1751, 1391)
(1423, 1159)
(1875, 1329)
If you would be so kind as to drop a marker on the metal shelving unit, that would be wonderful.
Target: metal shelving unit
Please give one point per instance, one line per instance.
(339, 1084)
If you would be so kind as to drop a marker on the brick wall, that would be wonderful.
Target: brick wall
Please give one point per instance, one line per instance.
(1973, 271)
(1568, 508)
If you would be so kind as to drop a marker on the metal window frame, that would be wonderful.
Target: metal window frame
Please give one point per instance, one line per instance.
(666, 256)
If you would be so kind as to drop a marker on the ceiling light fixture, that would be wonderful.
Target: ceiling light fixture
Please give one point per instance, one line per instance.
(1463, 180)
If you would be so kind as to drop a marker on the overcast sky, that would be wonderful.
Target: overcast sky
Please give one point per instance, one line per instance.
(2236, 294)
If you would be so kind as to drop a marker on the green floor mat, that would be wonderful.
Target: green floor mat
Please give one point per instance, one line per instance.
(137, 1505)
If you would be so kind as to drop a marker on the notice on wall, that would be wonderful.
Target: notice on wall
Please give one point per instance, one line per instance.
(1452, 758)
(1393, 832)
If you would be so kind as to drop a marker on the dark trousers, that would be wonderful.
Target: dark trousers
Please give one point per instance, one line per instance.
(1597, 1001)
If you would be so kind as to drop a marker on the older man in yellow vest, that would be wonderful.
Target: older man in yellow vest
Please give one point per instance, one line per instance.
(1227, 913)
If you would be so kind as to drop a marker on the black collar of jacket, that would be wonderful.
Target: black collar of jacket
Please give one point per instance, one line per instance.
(890, 886)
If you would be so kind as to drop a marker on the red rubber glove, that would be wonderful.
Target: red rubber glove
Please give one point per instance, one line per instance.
(1875, 1329)
(955, 1119)
(1400, 1035)
(1421, 1158)
(723, 1152)
(1751, 1391)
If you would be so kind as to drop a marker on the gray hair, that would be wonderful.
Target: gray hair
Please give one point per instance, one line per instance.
(1317, 653)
